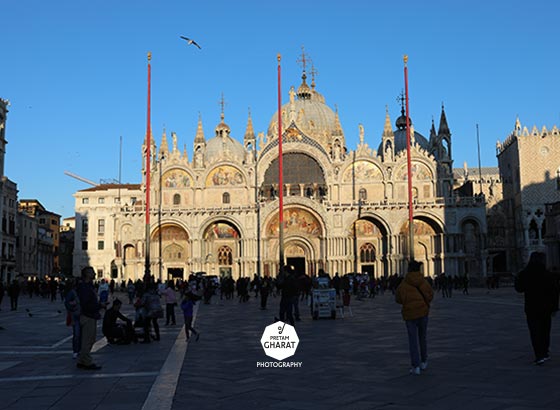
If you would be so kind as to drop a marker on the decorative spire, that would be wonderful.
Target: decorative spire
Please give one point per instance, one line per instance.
(433, 135)
(387, 129)
(185, 155)
(314, 72)
(401, 121)
(304, 59)
(199, 138)
(303, 92)
(517, 130)
(249, 132)
(222, 104)
(164, 148)
(443, 127)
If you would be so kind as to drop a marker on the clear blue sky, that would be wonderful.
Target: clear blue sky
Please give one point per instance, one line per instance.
(75, 73)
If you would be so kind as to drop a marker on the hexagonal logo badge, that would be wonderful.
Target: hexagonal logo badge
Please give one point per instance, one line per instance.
(279, 340)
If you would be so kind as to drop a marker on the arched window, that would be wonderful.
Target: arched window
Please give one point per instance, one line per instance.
(533, 232)
(225, 256)
(225, 198)
(176, 199)
(367, 253)
(363, 194)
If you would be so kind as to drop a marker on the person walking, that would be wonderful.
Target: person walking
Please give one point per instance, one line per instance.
(415, 295)
(541, 302)
(89, 316)
(72, 305)
(187, 306)
(466, 284)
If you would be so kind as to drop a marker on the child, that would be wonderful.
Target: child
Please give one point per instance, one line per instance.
(187, 306)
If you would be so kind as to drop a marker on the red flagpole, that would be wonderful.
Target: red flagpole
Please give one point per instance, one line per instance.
(409, 166)
(148, 167)
(280, 173)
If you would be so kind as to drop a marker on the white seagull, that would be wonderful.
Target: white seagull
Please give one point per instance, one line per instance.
(191, 41)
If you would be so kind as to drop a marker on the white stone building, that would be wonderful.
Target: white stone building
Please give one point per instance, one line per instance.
(529, 163)
(344, 210)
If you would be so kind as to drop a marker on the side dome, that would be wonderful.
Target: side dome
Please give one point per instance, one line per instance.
(400, 136)
(310, 114)
(223, 146)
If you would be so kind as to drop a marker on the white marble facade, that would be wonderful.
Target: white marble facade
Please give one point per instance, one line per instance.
(344, 210)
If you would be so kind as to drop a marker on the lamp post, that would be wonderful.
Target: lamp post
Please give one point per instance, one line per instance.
(258, 205)
(162, 157)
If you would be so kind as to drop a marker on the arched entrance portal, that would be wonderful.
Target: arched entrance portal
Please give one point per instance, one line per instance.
(302, 233)
(170, 245)
(221, 250)
(371, 246)
(428, 244)
(298, 254)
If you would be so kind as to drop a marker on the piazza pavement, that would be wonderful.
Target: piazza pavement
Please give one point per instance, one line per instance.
(479, 358)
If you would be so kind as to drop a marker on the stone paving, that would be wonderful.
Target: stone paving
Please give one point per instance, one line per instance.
(37, 370)
(479, 358)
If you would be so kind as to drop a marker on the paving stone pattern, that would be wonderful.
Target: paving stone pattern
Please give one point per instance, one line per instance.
(479, 358)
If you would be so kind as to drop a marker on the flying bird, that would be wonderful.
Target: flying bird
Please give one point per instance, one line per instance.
(191, 42)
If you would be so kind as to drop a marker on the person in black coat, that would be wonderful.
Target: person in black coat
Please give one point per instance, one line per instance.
(541, 301)
(288, 287)
(2, 291)
(13, 292)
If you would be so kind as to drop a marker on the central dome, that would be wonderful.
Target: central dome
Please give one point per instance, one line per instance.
(310, 114)
(222, 145)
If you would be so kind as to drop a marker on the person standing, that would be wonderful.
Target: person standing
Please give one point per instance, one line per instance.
(170, 303)
(415, 295)
(13, 292)
(152, 304)
(90, 314)
(72, 304)
(2, 290)
(288, 289)
(266, 284)
(103, 291)
(541, 302)
(131, 290)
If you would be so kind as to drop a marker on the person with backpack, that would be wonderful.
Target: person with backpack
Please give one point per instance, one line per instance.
(415, 295)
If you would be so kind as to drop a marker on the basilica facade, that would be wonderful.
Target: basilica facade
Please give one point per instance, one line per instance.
(344, 210)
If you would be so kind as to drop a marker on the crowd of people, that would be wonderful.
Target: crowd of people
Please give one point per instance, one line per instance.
(87, 301)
